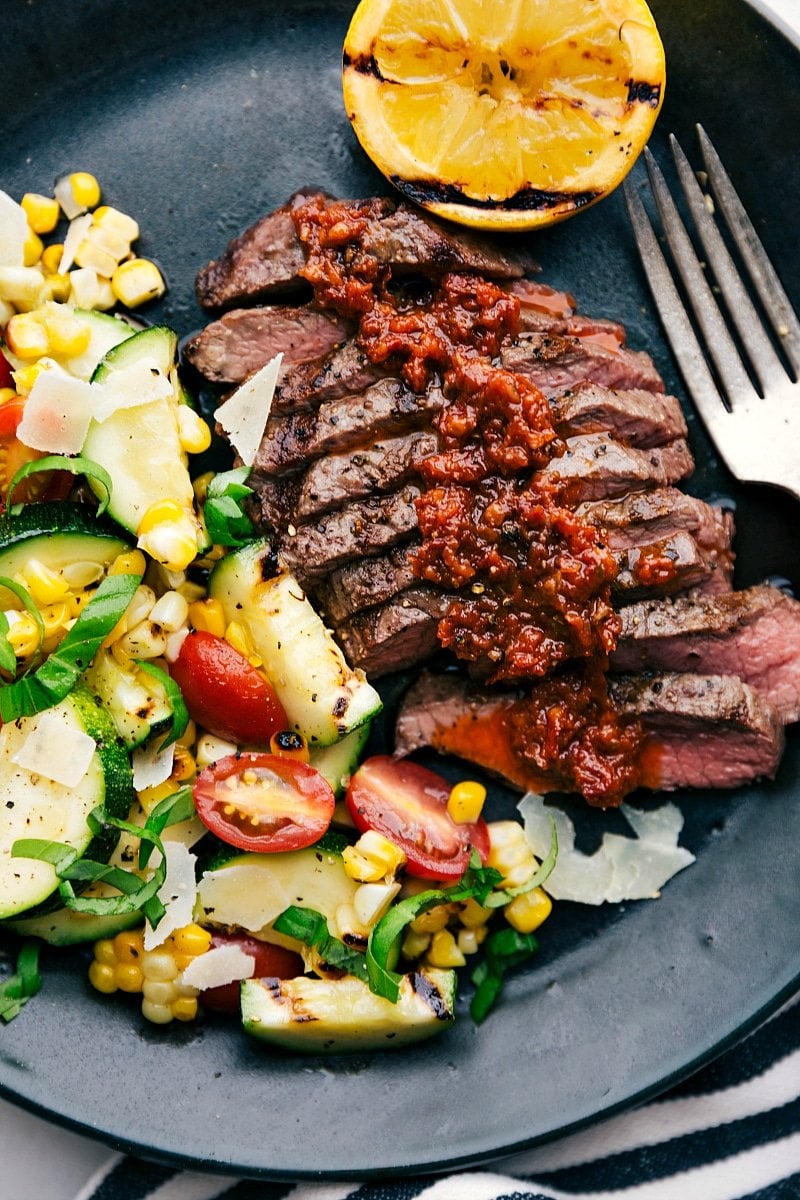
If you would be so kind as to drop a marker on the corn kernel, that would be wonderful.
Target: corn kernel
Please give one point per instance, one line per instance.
(109, 241)
(184, 1008)
(433, 920)
(42, 211)
(136, 281)
(85, 189)
(467, 941)
(44, 584)
(57, 287)
(132, 562)
(372, 858)
(159, 965)
(6, 394)
(415, 944)
(6, 312)
(23, 636)
(200, 486)
(465, 802)
(443, 950)
(528, 911)
(510, 853)
(170, 611)
(26, 336)
(105, 953)
(128, 977)
(89, 290)
(56, 618)
(191, 939)
(159, 991)
(68, 335)
(144, 641)
(472, 915)
(287, 743)
(157, 1014)
(194, 434)
(158, 514)
(25, 377)
(32, 249)
(96, 259)
(184, 766)
(119, 222)
(189, 736)
(51, 257)
(102, 977)
(129, 946)
(175, 547)
(24, 287)
(372, 901)
(210, 749)
(236, 636)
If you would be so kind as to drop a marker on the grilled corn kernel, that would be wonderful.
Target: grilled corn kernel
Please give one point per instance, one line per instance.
(150, 797)
(236, 636)
(141, 605)
(129, 946)
(159, 965)
(510, 853)
(466, 801)
(210, 749)
(136, 281)
(191, 939)
(82, 574)
(443, 950)
(24, 287)
(528, 911)
(51, 258)
(170, 611)
(42, 211)
(144, 641)
(103, 977)
(132, 562)
(23, 636)
(194, 434)
(200, 486)
(184, 1008)
(26, 336)
(68, 335)
(158, 991)
(208, 616)
(96, 259)
(57, 287)
(56, 618)
(372, 858)
(289, 744)
(119, 222)
(129, 977)
(85, 189)
(415, 944)
(467, 941)
(472, 915)
(433, 920)
(44, 585)
(156, 1014)
(105, 952)
(372, 900)
(160, 513)
(184, 766)
(32, 249)
(173, 545)
(109, 241)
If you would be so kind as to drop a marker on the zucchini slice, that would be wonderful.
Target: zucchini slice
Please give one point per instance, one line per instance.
(33, 806)
(136, 700)
(105, 332)
(338, 762)
(324, 699)
(327, 1016)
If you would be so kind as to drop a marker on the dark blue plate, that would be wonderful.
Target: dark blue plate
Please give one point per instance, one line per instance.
(197, 119)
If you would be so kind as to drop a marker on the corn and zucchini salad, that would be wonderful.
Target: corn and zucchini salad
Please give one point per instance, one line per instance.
(186, 780)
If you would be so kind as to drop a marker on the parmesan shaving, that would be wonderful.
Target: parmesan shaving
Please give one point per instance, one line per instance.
(56, 750)
(218, 966)
(129, 387)
(151, 766)
(78, 228)
(177, 894)
(242, 895)
(57, 413)
(244, 415)
(622, 868)
(13, 232)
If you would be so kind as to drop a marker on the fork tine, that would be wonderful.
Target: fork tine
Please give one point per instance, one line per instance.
(757, 345)
(681, 335)
(765, 280)
(721, 348)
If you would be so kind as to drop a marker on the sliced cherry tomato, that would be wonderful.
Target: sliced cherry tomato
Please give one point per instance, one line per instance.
(263, 802)
(50, 485)
(272, 962)
(407, 803)
(224, 693)
(6, 378)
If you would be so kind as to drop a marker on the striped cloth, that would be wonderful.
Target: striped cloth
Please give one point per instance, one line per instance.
(730, 1132)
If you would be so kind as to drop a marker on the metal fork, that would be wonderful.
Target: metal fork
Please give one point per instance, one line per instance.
(755, 428)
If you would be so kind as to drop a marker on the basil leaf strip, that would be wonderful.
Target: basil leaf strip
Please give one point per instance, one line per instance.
(16, 991)
(503, 949)
(56, 677)
(8, 659)
(226, 521)
(506, 895)
(60, 462)
(180, 713)
(27, 601)
(308, 926)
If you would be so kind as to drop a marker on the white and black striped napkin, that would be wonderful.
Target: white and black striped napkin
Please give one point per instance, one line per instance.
(730, 1132)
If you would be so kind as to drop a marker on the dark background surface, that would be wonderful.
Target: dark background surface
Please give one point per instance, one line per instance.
(197, 119)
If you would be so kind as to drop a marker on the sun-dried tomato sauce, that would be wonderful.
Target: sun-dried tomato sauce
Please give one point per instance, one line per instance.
(532, 579)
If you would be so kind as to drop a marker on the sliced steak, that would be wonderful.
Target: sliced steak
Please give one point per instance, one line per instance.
(360, 530)
(245, 339)
(396, 635)
(637, 417)
(703, 730)
(389, 406)
(596, 466)
(343, 372)
(753, 633)
(672, 564)
(555, 364)
(262, 263)
(337, 479)
(645, 516)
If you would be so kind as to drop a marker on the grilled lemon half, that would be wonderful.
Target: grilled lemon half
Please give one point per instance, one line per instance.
(503, 114)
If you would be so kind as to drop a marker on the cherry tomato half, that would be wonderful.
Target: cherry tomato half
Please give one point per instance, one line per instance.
(272, 962)
(6, 378)
(263, 802)
(224, 693)
(407, 803)
(50, 485)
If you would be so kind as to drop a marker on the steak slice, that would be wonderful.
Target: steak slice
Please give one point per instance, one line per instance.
(637, 417)
(644, 516)
(346, 371)
(555, 364)
(262, 263)
(754, 633)
(389, 406)
(595, 466)
(361, 529)
(703, 730)
(245, 339)
(396, 635)
(673, 564)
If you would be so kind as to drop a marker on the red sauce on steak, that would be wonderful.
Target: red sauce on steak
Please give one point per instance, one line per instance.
(532, 580)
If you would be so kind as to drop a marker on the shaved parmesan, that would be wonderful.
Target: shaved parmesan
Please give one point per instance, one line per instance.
(13, 232)
(78, 228)
(177, 894)
(242, 895)
(622, 868)
(218, 966)
(56, 750)
(128, 387)
(151, 766)
(244, 415)
(57, 413)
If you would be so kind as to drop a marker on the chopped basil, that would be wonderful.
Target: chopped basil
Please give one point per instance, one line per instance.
(308, 926)
(60, 462)
(8, 659)
(56, 677)
(16, 991)
(180, 713)
(502, 949)
(226, 521)
(24, 596)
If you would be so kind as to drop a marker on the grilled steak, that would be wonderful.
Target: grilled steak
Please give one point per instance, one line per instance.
(556, 364)
(596, 466)
(245, 339)
(703, 730)
(637, 417)
(753, 634)
(644, 516)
